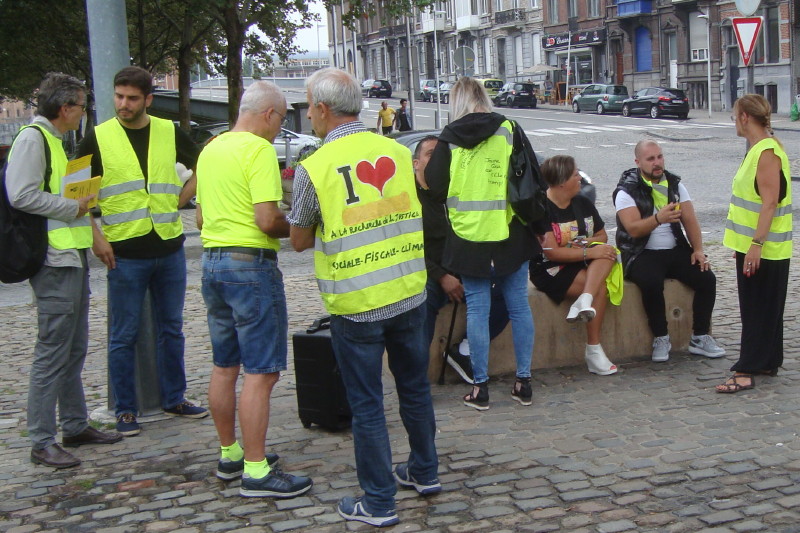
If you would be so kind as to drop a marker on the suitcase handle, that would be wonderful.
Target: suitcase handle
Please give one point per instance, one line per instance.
(319, 324)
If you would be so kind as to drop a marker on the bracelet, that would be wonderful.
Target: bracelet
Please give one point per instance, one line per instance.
(756, 242)
(656, 217)
(584, 257)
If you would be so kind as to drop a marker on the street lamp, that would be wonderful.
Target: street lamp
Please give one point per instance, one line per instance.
(436, 69)
(708, 55)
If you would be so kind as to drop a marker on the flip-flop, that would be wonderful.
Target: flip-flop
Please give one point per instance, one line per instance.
(732, 384)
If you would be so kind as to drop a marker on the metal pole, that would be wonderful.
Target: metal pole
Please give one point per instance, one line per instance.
(708, 57)
(566, 87)
(108, 46)
(335, 42)
(411, 78)
(436, 68)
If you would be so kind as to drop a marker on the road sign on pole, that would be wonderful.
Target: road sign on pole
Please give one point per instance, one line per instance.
(746, 30)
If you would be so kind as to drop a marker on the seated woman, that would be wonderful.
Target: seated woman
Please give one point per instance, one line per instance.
(569, 265)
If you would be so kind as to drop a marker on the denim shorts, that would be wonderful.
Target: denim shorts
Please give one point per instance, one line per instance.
(247, 316)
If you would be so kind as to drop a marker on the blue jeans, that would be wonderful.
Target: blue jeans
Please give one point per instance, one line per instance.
(436, 299)
(247, 316)
(127, 285)
(359, 350)
(515, 292)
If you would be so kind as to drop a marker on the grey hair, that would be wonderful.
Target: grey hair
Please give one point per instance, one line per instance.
(468, 96)
(259, 97)
(56, 90)
(337, 89)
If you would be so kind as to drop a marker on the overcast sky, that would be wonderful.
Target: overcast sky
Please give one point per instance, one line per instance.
(307, 38)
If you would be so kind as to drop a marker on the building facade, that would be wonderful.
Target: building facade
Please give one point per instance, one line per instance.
(636, 43)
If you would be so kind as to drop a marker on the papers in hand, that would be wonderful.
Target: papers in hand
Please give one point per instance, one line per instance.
(79, 183)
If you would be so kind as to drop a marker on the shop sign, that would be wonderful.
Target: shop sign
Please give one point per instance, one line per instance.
(581, 38)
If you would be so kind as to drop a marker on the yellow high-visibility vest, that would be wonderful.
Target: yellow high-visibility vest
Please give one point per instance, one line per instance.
(76, 234)
(130, 207)
(745, 206)
(477, 196)
(369, 251)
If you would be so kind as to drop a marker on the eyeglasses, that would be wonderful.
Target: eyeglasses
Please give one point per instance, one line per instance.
(82, 106)
(283, 116)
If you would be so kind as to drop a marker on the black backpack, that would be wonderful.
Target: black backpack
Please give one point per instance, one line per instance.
(23, 236)
(526, 188)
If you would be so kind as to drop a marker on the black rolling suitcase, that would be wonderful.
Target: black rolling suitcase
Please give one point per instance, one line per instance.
(321, 398)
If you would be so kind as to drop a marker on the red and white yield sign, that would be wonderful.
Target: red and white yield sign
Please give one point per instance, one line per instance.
(747, 29)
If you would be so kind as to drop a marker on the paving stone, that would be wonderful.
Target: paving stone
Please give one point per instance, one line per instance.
(491, 511)
(489, 480)
(175, 512)
(616, 526)
(578, 495)
(288, 525)
(111, 513)
(789, 501)
(721, 517)
(760, 509)
(749, 525)
(138, 517)
(655, 520)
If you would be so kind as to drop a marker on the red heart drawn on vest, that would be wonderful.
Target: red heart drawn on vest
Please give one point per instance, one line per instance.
(376, 175)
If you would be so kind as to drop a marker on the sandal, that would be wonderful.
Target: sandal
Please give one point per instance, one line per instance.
(732, 384)
(479, 401)
(771, 373)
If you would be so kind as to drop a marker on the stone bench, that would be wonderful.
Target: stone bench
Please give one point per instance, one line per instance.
(626, 335)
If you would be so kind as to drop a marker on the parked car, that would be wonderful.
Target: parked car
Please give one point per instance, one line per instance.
(657, 101)
(297, 141)
(410, 139)
(425, 89)
(442, 93)
(601, 98)
(492, 85)
(516, 94)
(377, 88)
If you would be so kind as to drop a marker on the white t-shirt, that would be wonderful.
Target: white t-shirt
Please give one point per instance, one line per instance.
(661, 238)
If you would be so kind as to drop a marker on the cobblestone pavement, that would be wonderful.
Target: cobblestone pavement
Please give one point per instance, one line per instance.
(652, 448)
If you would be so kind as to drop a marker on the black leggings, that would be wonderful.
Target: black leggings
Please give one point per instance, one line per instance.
(648, 272)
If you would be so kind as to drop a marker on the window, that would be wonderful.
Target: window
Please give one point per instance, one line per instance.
(498, 5)
(573, 8)
(644, 50)
(518, 59)
(593, 8)
(771, 33)
(536, 48)
(487, 55)
(484, 7)
(699, 54)
(552, 9)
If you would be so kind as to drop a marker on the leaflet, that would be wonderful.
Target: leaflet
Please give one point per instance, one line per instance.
(78, 182)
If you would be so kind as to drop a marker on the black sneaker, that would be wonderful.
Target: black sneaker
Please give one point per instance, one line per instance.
(187, 410)
(276, 484)
(481, 401)
(228, 469)
(404, 478)
(461, 363)
(524, 395)
(127, 425)
(353, 509)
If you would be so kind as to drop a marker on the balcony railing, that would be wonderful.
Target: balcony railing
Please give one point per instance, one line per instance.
(393, 31)
(628, 8)
(508, 16)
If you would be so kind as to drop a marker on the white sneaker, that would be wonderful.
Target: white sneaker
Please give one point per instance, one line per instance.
(582, 310)
(705, 345)
(597, 361)
(661, 348)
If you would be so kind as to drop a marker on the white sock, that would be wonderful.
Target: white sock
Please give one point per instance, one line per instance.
(463, 348)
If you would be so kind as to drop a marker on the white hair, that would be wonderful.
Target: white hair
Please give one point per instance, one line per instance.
(259, 97)
(337, 89)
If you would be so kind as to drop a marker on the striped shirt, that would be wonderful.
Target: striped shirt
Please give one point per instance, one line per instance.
(306, 213)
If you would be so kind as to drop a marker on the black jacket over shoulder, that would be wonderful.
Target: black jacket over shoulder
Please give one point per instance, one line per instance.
(632, 183)
(463, 257)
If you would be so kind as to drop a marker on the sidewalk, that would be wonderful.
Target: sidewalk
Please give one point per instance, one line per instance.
(652, 448)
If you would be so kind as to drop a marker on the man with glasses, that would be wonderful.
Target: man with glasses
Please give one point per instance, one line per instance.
(141, 240)
(238, 188)
(61, 286)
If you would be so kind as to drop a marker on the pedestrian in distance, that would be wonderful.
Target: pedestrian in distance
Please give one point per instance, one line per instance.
(372, 284)
(238, 189)
(386, 117)
(444, 286)
(140, 240)
(653, 208)
(759, 231)
(61, 287)
(486, 243)
(573, 264)
(402, 118)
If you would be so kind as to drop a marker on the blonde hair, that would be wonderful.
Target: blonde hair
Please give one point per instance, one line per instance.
(558, 169)
(758, 108)
(468, 96)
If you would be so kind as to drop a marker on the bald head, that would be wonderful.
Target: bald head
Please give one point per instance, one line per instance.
(641, 145)
(650, 160)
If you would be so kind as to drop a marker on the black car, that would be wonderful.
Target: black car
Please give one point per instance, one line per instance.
(410, 139)
(657, 101)
(516, 94)
(378, 89)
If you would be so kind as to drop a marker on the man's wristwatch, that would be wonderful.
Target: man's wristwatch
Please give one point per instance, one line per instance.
(757, 242)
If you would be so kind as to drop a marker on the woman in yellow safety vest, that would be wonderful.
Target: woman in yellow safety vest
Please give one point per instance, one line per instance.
(759, 230)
